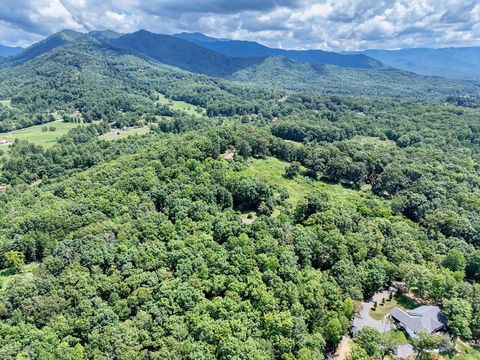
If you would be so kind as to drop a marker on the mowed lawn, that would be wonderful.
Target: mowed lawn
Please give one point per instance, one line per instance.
(180, 106)
(272, 170)
(35, 135)
(399, 300)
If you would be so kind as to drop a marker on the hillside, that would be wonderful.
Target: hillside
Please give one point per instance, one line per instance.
(238, 48)
(103, 82)
(454, 63)
(181, 53)
(288, 74)
(152, 50)
(156, 247)
(6, 51)
(42, 47)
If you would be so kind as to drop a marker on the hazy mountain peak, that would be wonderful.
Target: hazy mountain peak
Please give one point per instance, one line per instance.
(454, 63)
(104, 35)
(66, 34)
(9, 50)
(243, 48)
(198, 36)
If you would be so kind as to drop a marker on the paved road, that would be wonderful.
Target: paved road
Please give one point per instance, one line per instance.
(363, 319)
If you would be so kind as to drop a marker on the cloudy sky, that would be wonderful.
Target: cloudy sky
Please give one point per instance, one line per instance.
(301, 24)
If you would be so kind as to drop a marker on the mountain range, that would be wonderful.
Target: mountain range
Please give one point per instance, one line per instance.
(181, 53)
(223, 58)
(232, 60)
(9, 51)
(454, 63)
(238, 48)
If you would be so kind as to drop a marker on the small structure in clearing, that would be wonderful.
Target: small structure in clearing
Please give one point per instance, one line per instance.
(228, 155)
(4, 142)
(425, 318)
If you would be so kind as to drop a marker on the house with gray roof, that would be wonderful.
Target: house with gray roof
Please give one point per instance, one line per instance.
(425, 318)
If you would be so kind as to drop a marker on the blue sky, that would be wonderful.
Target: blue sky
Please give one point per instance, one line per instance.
(301, 24)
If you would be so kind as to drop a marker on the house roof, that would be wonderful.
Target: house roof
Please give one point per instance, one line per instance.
(424, 318)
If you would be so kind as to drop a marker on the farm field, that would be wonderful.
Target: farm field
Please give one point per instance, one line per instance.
(35, 135)
(180, 106)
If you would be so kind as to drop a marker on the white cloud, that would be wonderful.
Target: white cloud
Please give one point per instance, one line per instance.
(327, 24)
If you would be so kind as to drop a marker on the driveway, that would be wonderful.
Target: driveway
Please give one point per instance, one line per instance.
(404, 351)
(363, 319)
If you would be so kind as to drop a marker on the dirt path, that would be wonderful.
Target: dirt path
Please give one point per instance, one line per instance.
(343, 348)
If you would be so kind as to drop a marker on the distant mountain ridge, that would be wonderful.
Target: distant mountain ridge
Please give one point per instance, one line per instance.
(271, 71)
(182, 53)
(455, 63)
(105, 35)
(241, 48)
(280, 72)
(41, 47)
(9, 50)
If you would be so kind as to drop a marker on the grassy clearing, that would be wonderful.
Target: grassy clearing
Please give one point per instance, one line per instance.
(271, 170)
(399, 300)
(113, 135)
(7, 103)
(35, 135)
(365, 140)
(6, 276)
(465, 352)
(180, 106)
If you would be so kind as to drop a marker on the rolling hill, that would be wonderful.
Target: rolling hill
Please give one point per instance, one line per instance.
(454, 63)
(288, 74)
(239, 48)
(181, 53)
(9, 51)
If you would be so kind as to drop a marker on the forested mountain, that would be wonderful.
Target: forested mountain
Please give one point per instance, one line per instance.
(105, 35)
(240, 48)
(454, 63)
(6, 51)
(149, 51)
(288, 74)
(37, 49)
(181, 53)
(100, 81)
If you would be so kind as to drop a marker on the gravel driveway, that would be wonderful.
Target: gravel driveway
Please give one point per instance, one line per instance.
(363, 319)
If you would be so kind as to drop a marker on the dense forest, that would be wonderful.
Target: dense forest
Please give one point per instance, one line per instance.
(172, 245)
